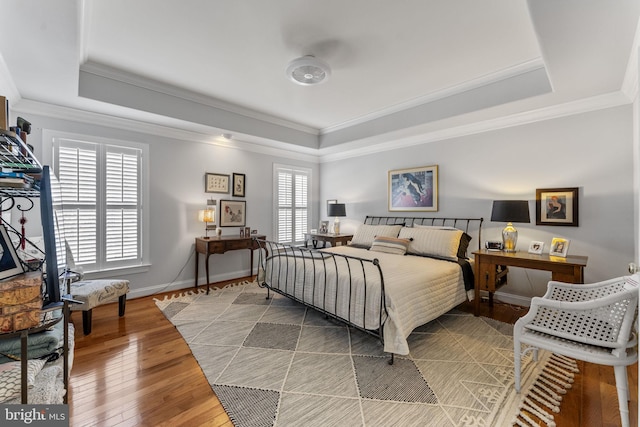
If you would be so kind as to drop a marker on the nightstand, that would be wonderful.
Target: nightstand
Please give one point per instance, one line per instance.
(334, 239)
(569, 269)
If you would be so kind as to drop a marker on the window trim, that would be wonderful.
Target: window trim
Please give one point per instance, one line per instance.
(309, 174)
(142, 265)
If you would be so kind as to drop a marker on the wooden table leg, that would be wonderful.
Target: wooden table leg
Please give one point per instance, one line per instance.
(206, 267)
(195, 285)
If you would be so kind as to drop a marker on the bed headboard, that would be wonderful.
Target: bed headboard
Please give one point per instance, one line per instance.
(471, 226)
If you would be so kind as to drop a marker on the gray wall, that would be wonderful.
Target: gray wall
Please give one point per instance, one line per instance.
(176, 185)
(592, 151)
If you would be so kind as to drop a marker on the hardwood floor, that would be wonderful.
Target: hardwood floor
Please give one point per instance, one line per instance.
(138, 371)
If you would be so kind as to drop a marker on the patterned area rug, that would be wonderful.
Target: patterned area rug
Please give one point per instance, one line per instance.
(276, 363)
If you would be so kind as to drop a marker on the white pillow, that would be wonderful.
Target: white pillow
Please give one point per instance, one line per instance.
(365, 234)
(433, 242)
(11, 380)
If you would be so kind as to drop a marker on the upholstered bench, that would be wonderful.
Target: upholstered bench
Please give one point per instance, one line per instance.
(97, 292)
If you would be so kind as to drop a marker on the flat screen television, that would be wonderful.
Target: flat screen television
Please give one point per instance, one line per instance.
(49, 230)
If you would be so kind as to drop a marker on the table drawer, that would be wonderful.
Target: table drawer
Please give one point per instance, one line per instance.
(238, 244)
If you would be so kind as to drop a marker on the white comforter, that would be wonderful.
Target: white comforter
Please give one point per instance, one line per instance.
(417, 289)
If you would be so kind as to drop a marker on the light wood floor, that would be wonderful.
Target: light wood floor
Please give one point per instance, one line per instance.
(138, 371)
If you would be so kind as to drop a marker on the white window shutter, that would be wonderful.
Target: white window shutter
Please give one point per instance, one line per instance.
(292, 199)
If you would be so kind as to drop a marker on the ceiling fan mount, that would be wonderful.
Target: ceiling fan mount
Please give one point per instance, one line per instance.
(308, 70)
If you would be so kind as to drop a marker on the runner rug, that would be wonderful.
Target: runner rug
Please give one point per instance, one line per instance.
(273, 362)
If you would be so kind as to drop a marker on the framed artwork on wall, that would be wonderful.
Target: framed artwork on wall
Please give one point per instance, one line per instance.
(233, 213)
(557, 206)
(216, 183)
(414, 189)
(239, 181)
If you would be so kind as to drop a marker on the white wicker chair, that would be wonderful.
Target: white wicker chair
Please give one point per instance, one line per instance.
(594, 323)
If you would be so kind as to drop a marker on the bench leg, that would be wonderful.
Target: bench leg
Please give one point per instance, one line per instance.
(86, 321)
(122, 303)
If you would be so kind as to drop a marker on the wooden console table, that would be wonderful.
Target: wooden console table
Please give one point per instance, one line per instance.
(334, 239)
(222, 244)
(569, 269)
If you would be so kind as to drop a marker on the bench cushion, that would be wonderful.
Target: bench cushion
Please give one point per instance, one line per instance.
(96, 292)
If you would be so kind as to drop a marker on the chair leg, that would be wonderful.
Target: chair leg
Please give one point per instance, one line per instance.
(122, 303)
(86, 321)
(622, 384)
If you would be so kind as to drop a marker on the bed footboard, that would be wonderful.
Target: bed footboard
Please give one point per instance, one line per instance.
(346, 288)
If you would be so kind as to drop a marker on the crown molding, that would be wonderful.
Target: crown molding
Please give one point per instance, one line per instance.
(586, 105)
(180, 130)
(212, 136)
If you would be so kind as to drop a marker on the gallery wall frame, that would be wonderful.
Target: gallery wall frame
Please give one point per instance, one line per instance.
(239, 184)
(216, 183)
(413, 189)
(557, 206)
(233, 213)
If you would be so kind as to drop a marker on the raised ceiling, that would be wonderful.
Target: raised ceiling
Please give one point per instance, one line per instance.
(399, 69)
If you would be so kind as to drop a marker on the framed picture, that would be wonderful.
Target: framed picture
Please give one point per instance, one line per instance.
(414, 189)
(233, 213)
(324, 227)
(559, 247)
(216, 183)
(536, 247)
(239, 180)
(330, 202)
(10, 264)
(557, 206)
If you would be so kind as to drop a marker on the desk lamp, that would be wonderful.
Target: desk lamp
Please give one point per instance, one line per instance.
(208, 216)
(510, 211)
(337, 210)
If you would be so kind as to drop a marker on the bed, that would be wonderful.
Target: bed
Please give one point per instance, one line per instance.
(396, 274)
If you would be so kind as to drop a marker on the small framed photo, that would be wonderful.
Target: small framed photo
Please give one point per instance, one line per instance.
(536, 247)
(414, 189)
(239, 180)
(233, 213)
(324, 227)
(216, 183)
(10, 264)
(557, 206)
(559, 247)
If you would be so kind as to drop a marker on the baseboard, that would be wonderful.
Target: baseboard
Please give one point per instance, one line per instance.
(512, 299)
(183, 284)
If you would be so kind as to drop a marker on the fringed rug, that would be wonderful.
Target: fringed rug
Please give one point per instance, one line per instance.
(276, 363)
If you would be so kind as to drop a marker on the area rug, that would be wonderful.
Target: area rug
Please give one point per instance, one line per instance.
(273, 362)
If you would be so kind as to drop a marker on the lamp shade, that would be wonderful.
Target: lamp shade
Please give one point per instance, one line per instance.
(207, 215)
(337, 209)
(510, 211)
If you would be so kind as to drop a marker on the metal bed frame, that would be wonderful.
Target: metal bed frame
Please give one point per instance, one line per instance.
(323, 262)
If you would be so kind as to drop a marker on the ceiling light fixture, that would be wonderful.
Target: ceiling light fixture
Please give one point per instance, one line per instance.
(308, 70)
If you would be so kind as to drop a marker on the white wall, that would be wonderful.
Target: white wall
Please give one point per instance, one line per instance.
(592, 151)
(176, 184)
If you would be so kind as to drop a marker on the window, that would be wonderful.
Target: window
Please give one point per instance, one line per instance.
(98, 202)
(292, 185)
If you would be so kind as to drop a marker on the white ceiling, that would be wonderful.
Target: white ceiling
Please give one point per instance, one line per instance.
(399, 68)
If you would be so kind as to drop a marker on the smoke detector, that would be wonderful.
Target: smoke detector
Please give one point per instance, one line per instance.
(308, 70)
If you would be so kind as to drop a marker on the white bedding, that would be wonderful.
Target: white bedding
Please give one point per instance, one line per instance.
(417, 289)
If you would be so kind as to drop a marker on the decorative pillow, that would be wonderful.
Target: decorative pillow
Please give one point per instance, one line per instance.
(464, 240)
(433, 242)
(390, 245)
(10, 377)
(363, 238)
